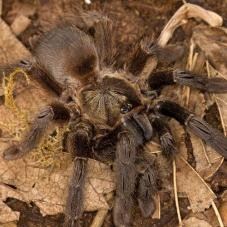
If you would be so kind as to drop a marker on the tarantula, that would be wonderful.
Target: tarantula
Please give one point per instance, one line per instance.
(110, 110)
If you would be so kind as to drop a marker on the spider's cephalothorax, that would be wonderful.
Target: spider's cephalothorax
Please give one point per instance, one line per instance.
(105, 101)
(107, 112)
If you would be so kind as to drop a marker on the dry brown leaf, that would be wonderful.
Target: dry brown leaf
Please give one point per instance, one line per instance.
(207, 159)
(195, 222)
(223, 208)
(6, 214)
(188, 181)
(11, 50)
(11, 224)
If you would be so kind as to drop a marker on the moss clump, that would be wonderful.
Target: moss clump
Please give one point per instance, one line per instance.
(14, 127)
(49, 152)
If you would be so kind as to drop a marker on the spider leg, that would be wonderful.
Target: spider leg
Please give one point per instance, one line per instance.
(165, 137)
(147, 48)
(36, 73)
(126, 178)
(133, 132)
(78, 144)
(195, 124)
(60, 88)
(54, 112)
(49, 81)
(23, 64)
(147, 187)
(157, 80)
(100, 28)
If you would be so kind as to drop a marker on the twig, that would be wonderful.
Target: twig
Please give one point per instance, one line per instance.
(101, 214)
(99, 218)
(175, 194)
(157, 213)
(181, 16)
(217, 214)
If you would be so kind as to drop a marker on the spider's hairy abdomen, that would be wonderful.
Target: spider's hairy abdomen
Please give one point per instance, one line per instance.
(67, 52)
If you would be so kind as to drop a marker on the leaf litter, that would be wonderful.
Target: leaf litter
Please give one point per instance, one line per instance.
(188, 179)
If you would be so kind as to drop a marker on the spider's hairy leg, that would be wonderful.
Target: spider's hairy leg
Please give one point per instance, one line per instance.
(100, 28)
(35, 72)
(55, 112)
(145, 49)
(140, 56)
(22, 64)
(78, 144)
(51, 83)
(159, 79)
(165, 137)
(61, 89)
(195, 124)
(126, 178)
(147, 187)
(134, 132)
